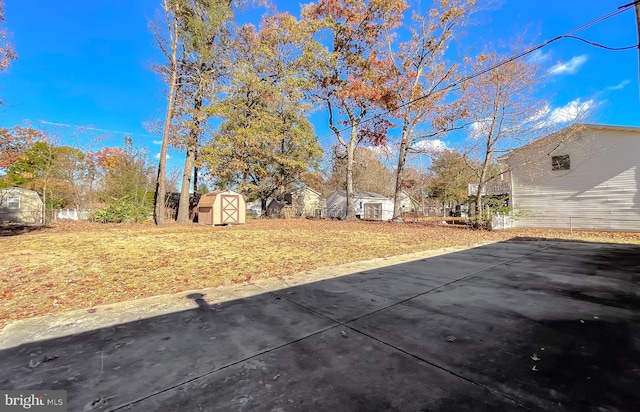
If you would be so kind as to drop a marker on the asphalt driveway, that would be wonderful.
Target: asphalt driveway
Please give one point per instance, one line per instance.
(516, 325)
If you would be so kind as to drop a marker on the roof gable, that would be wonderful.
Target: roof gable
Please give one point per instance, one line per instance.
(569, 133)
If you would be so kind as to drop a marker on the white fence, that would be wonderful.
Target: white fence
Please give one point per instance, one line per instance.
(56, 215)
(501, 221)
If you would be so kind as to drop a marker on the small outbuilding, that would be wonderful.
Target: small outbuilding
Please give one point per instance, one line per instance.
(18, 205)
(367, 206)
(222, 207)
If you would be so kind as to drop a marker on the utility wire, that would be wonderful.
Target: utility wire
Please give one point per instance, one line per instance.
(591, 43)
(567, 35)
(75, 126)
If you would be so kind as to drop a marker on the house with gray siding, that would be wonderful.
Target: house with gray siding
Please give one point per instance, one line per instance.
(585, 177)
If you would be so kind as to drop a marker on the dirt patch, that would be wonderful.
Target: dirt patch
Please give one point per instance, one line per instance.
(15, 229)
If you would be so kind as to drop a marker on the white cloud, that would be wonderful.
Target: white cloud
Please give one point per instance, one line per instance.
(620, 85)
(570, 67)
(539, 56)
(433, 146)
(157, 142)
(571, 111)
(158, 156)
(547, 116)
(479, 128)
(381, 151)
(540, 114)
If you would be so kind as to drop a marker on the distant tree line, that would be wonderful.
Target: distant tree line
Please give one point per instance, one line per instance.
(387, 75)
(116, 182)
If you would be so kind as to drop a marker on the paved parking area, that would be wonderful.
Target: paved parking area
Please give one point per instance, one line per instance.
(516, 325)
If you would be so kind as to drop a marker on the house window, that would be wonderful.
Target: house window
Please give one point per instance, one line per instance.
(560, 162)
(13, 202)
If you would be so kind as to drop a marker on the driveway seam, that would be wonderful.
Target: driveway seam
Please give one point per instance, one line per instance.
(442, 368)
(223, 367)
(464, 278)
(446, 284)
(339, 324)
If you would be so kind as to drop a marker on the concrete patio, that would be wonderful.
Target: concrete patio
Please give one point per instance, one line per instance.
(516, 325)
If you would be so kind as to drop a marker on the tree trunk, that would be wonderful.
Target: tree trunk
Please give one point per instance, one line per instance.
(351, 148)
(263, 206)
(195, 173)
(183, 204)
(478, 206)
(44, 201)
(478, 196)
(187, 172)
(402, 158)
(159, 198)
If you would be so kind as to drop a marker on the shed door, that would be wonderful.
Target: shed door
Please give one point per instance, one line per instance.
(373, 211)
(230, 210)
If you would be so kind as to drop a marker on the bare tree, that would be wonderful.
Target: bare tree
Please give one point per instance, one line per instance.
(505, 112)
(424, 79)
(170, 50)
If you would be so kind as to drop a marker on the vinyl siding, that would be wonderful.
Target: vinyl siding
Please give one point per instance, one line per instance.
(599, 192)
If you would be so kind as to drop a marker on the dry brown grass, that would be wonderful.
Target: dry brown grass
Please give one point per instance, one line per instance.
(80, 265)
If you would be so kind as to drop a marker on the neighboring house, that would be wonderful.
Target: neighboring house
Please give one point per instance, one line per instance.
(254, 209)
(19, 205)
(589, 180)
(302, 201)
(367, 206)
(408, 204)
(495, 192)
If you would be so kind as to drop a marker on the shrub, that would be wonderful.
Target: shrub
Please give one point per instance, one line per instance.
(124, 210)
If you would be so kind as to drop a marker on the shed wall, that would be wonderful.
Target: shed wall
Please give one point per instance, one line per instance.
(30, 210)
(311, 202)
(336, 206)
(387, 207)
(222, 208)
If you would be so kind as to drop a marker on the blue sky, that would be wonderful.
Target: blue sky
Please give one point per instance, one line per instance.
(87, 64)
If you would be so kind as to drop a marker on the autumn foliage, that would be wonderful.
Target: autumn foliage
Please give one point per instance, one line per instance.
(7, 52)
(14, 142)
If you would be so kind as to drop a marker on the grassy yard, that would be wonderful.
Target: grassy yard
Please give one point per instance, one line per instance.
(81, 265)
